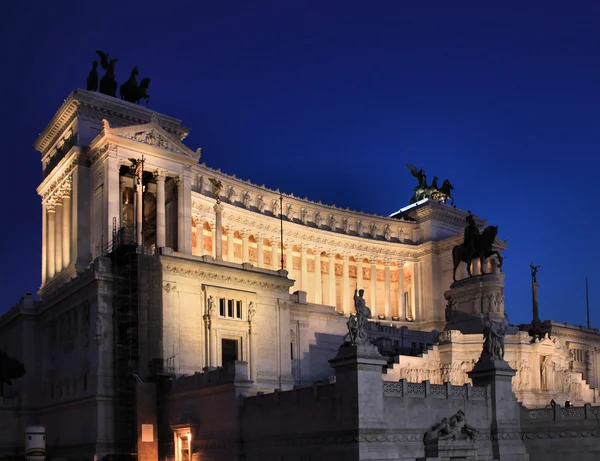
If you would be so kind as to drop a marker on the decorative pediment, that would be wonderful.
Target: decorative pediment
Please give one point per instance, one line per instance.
(152, 134)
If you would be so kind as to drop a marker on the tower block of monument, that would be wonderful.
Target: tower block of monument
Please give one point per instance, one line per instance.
(470, 299)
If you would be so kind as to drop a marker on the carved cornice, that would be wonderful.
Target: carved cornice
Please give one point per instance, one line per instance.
(219, 277)
(93, 106)
(60, 184)
(307, 235)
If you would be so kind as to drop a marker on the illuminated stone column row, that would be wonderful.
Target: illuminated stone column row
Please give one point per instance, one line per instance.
(56, 232)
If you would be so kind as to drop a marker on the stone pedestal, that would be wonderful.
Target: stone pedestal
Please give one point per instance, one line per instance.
(505, 428)
(359, 387)
(447, 450)
(468, 301)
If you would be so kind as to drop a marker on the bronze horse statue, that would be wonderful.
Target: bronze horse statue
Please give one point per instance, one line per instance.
(443, 194)
(483, 250)
(132, 92)
(108, 83)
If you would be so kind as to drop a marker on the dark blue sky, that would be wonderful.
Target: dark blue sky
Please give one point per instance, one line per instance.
(330, 99)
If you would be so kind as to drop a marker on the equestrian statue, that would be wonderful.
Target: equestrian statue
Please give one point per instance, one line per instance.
(433, 192)
(475, 245)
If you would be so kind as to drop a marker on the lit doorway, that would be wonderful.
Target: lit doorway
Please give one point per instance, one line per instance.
(229, 351)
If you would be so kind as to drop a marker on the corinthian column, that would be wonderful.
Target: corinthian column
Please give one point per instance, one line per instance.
(161, 240)
(388, 290)
(318, 284)
(373, 306)
(260, 250)
(58, 237)
(401, 313)
(230, 247)
(345, 285)
(303, 269)
(245, 250)
(51, 207)
(332, 300)
(66, 230)
(44, 240)
(199, 236)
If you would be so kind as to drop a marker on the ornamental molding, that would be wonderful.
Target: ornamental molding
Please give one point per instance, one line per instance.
(93, 106)
(225, 278)
(233, 216)
(61, 184)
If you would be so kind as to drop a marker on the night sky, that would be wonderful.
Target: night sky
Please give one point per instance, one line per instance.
(330, 99)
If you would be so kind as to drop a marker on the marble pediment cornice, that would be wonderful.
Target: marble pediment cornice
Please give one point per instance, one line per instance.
(296, 234)
(94, 106)
(60, 179)
(150, 137)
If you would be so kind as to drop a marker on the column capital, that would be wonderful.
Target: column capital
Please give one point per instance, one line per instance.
(373, 259)
(50, 206)
(160, 175)
(387, 262)
(229, 230)
(198, 220)
(244, 234)
(259, 236)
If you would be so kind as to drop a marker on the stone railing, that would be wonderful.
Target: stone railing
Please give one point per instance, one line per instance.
(232, 372)
(437, 391)
(557, 413)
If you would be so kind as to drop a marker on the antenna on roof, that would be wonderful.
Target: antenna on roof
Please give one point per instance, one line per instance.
(587, 303)
(281, 225)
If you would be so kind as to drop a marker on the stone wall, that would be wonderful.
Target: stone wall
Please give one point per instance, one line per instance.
(558, 434)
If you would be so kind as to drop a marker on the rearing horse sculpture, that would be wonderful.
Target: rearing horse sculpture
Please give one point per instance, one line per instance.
(108, 83)
(483, 250)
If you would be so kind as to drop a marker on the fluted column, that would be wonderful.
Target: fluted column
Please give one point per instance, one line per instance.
(303, 269)
(66, 230)
(318, 291)
(199, 236)
(414, 290)
(374, 311)
(401, 314)
(230, 247)
(161, 240)
(260, 250)
(213, 233)
(332, 300)
(58, 237)
(388, 290)
(44, 244)
(51, 207)
(245, 251)
(345, 285)
(122, 187)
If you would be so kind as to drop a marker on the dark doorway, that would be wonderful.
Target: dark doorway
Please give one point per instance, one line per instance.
(229, 350)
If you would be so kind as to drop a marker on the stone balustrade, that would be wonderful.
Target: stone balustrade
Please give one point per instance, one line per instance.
(559, 413)
(437, 391)
(297, 396)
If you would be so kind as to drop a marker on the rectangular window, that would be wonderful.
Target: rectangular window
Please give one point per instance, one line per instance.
(292, 351)
(230, 308)
(238, 309)
(222, 307)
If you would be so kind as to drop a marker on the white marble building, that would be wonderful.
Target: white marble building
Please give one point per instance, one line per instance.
(209, 287)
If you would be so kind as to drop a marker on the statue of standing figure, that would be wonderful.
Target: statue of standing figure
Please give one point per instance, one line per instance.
(534, 271)
(357, 332)
(493, 337)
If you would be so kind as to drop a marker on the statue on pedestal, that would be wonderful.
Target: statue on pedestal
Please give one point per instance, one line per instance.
(475, 245)
(357, 333)
(453, 428)
(534, 271)
(434, 192)
(493, 337)
(218, 186)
